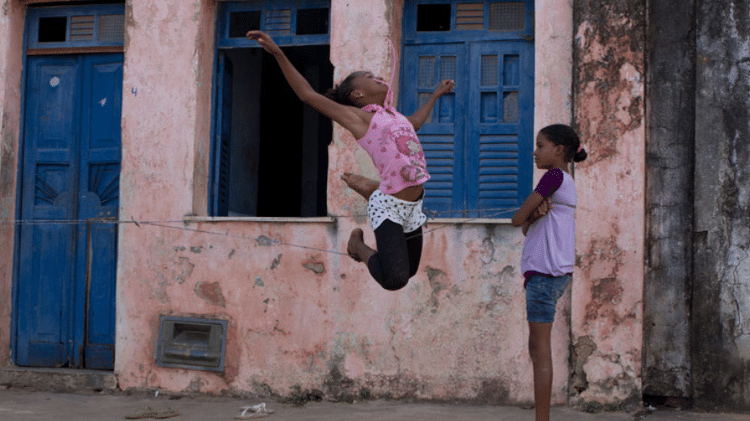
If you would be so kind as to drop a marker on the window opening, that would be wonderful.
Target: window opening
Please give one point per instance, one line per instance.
(242, 22)
(312, 21)
(479, 154)
(53, 29)
(275, 161)
(433, 17)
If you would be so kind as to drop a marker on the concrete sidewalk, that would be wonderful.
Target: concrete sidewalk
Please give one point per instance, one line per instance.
(22, 405)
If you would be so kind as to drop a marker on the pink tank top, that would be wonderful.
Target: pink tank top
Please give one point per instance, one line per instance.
(394, 148)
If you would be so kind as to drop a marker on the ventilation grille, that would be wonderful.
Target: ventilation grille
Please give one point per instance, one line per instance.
(111, 28)
(82, 28)
(197, 344)
(506, 16)
(469, 16)
(279, 22)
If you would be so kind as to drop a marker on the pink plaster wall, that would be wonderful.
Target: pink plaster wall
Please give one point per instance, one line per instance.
(11, 41)
(165, 136)
(607, 317)
(308, 316)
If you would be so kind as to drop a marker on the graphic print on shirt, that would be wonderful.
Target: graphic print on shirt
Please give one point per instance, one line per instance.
(407, 145)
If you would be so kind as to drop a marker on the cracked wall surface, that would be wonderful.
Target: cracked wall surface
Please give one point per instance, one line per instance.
(721, 308)
(608, 99)
(305, 321)
(11, 35)
(670, 160)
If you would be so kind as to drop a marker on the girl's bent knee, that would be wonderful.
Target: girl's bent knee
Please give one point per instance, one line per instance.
(395, 283)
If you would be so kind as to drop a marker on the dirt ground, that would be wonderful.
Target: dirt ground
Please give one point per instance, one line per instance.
(27, 405)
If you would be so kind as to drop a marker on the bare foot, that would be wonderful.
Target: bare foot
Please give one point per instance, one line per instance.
(361, 184)
(356, 248)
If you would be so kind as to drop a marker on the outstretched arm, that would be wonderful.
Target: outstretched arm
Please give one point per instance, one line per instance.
(419, 116)
(345, 115)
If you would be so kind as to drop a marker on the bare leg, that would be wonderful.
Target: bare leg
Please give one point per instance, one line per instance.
(540, 349)
(357, 249)
(361, 184)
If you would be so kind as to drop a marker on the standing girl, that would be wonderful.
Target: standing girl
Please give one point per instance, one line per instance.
(548, 220)
(362, 104)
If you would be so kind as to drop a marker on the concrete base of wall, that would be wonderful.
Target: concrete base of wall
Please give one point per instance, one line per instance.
(58, 379)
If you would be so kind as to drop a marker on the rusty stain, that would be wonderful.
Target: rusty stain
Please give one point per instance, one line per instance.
(210, 293)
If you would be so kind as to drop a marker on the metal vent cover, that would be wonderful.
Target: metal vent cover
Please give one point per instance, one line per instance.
(192, 343)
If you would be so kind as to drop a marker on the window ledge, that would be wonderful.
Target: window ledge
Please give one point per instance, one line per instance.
(332, 219)
(472, 221)
(318, 220)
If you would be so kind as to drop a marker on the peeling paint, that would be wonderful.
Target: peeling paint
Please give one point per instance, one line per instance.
(580, 354)
(276, 261)
(210, 293)
(315, 266)
(263, 241)
(183, 269)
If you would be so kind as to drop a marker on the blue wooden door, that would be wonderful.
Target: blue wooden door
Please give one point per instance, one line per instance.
(70, 196)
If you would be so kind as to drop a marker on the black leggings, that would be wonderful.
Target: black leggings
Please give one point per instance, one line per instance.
(398, 255)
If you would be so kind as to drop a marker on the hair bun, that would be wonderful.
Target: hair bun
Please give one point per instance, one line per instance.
(580, 155)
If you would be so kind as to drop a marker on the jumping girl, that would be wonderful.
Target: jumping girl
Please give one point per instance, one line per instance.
(548, 220)
(362, 104)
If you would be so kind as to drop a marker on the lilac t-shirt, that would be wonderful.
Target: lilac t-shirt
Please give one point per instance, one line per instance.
(549, 248)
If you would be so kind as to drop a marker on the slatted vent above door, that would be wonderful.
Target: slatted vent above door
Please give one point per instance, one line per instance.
(75, 27)
(469, 16)
(82, 28)
(289, 22)
(279, 22)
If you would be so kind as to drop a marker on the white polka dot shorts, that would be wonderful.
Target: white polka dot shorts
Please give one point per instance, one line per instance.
(384, 206)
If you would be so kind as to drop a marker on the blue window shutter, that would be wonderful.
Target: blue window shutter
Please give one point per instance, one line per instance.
(442, 135)
(501, 123)
(478, 140)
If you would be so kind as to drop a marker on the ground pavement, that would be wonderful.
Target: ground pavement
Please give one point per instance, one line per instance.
(28, 405)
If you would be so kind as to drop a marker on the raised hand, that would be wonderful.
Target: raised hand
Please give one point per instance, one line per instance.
(444, 87)
(265, 41)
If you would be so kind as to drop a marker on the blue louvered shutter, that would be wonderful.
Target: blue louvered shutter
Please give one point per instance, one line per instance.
(478, 140)
(500, 129)
(443, 134)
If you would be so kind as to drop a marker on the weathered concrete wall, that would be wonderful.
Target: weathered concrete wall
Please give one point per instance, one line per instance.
(306, 317)
(309, 317)
(11, 51)
(669, 209)
(721, 304)
(608, 92)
